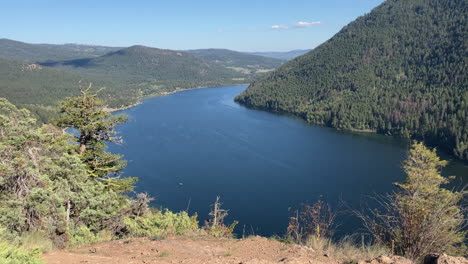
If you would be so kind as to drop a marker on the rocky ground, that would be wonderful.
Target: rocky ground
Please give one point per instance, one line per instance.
(254, 250)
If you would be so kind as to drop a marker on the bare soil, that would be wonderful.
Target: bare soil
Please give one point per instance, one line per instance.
(206, 249)
(255, 250)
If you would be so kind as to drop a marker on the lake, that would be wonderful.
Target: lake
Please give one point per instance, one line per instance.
(188, 147)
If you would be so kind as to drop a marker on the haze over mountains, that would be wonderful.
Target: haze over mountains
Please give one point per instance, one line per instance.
(287, 55)
(399, 70)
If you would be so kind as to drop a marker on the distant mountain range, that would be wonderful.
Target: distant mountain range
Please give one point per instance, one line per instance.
(238, 61)
(38, 75)
(17, 50)
(287, 55)
(399, 70)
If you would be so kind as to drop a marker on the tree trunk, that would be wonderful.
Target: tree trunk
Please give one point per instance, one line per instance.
(82, 148)
(82, 143)
(68, 212)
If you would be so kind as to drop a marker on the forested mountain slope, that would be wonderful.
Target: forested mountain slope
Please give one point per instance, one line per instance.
(399, 70)
(151, 70)
(126, 75)
(18, 50)
(39, 88)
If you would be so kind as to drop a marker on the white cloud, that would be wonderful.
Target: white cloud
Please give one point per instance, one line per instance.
(307, 24)
(279, 27)
(300, 24)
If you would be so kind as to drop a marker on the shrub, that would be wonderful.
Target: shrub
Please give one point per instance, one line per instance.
(36, 240)
(160, 223)
(82, 235)
(215, 226)
(10, 254)
(312, 220)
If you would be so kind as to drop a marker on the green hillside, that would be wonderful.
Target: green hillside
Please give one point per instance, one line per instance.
(399, 70)
(41, 52)
(241, 62)
(39, 88)
(126, 75)
(151, 70)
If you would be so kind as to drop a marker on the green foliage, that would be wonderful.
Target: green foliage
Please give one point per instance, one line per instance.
(13, 255)
(223, 231)
(159, 223)
(215, 226)
(430, 218)
(399, 70)
(422, 217)
(95, 127)
(45, 187)
(35, 241)
(82, 235)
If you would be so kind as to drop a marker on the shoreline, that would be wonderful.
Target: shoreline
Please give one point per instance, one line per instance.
(177, 90)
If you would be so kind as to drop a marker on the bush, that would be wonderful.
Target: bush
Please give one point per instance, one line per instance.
(10, 254)
(36, 240)
(215, 226)
(82, 235)
(160, 224)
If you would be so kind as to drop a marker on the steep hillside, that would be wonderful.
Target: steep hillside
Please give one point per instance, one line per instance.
(286, 55)
(399, 70)
(40, 52)
(241, 62)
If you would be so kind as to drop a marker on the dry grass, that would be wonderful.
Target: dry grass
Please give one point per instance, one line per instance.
(346, 250)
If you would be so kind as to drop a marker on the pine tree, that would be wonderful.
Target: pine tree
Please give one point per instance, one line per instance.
(429, 216)
(44, 184)
(95, 127)
(422, 217)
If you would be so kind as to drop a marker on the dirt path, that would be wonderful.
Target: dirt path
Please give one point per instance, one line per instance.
(255, 250)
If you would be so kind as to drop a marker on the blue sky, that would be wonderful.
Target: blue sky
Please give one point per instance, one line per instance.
(241, 25)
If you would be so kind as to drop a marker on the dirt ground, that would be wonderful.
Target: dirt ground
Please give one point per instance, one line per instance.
(255, 250)
(205, 249)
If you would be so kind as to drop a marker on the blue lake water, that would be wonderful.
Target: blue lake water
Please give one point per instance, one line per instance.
(188, 147)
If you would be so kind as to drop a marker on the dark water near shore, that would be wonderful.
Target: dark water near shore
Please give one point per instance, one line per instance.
(189, 147)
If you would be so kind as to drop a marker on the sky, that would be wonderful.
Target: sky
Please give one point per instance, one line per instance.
(242, 25)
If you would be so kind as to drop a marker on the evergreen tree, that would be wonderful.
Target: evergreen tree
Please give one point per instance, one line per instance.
(429, 216)
(44, 185)
(422, 217)
(95, 127)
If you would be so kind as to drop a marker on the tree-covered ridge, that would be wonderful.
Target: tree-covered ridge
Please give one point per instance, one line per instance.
(399, 70)
(39, 88)
(127, 75)
(140, 64)
(18, 50)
